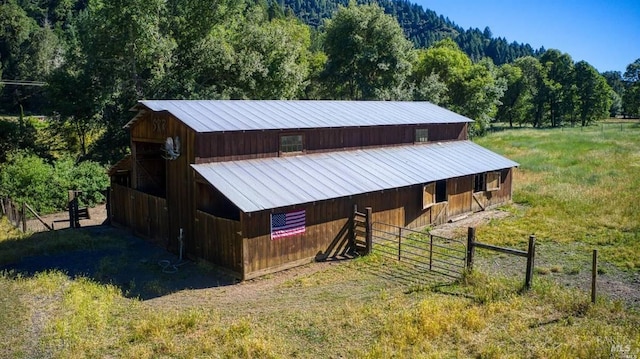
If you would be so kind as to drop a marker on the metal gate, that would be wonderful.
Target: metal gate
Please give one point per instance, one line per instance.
(420, 250)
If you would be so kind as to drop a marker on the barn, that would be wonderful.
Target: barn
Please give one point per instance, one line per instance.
(260, 186)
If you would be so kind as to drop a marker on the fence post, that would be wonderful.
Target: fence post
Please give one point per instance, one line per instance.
(74, 221)
(369, 225)
(108, 204)
(471, 237)
(352, 228)
(24, 218)
(399, 243)
(430, 251)
(531, 254)
(594, 275)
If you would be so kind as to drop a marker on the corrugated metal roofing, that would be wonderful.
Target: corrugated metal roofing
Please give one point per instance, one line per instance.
(259, 184)
(246, 115)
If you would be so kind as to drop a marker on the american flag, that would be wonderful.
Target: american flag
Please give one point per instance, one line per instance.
(287, 224)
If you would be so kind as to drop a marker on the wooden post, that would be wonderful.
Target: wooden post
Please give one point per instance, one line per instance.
(369, 224)
(430, 251)
(108, 204)
(71, 211)
(471, 237)
(399, 244)
(74, 221)
(352, 228)
(23, 213)
(594, 275)
(531, 254)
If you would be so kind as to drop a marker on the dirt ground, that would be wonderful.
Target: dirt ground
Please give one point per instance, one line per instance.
(140, 271)
(60, 220)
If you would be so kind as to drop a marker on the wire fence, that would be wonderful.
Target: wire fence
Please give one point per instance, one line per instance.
(612, 126)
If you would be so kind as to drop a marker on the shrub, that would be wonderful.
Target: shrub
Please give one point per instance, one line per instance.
(90, 178)
(27, 177)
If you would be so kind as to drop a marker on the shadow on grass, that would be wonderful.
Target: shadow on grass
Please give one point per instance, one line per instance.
(110, 256)
(405, 273)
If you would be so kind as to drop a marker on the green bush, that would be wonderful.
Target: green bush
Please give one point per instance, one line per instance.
(27, 177)
(90, 178)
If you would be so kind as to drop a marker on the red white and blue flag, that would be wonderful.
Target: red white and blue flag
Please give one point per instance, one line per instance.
(287, 224)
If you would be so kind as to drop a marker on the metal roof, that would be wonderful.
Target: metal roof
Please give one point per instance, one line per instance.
(246, 115)
(259, 184)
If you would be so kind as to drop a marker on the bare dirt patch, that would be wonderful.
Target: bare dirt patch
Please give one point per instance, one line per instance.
(60, 220)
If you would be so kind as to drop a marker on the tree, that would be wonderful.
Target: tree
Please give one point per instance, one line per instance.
(631, 98)
(511, 107)
(368, 56)
(559, 88)
(27, 52)
(124, 54)
(473, 90)
(615, 81)
(593, 92)
(271, 59)
(429, 88)
(531, 105)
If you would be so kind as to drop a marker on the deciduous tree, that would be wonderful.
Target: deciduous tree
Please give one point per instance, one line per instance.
(594, 94)
(368, 56)
(631, 98)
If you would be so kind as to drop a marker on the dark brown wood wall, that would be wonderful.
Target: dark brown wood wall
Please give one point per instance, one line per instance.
(232, 146)
(155, 127)
(327, 224)
(218, 241)
(144, 214)
(459, 191)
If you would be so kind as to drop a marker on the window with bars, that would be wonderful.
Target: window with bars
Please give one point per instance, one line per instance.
(479, 182)
(291, 144)
(422, 135)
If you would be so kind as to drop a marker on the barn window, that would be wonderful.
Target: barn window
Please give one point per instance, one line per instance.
(479, 182)
(434, 192)
(493, 181)
(422, 134)
(291, 144)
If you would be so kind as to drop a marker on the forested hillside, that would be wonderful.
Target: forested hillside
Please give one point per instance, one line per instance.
(422, 26)
(93, 59)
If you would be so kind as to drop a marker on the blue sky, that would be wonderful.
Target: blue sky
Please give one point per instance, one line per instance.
(606, 34)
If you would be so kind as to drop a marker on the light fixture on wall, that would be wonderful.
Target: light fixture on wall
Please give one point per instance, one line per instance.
(171, 148)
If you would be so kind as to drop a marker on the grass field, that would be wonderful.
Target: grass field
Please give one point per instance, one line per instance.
(573, 189)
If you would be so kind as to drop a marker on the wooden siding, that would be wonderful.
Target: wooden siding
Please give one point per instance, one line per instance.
(233, 146)
(327, 224)
(459, 191)
(218, 241)
(155, 127)
(145, 214)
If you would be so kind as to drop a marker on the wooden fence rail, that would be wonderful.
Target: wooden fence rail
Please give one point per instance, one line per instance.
(17, 214)
(530, 254)
(14, 213)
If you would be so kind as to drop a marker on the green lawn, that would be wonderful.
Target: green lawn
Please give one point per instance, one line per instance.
(573, 188)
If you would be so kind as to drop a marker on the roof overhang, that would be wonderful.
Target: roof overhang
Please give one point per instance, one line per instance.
(263, 184)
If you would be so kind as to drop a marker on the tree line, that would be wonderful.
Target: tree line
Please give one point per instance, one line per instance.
(99, 57)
